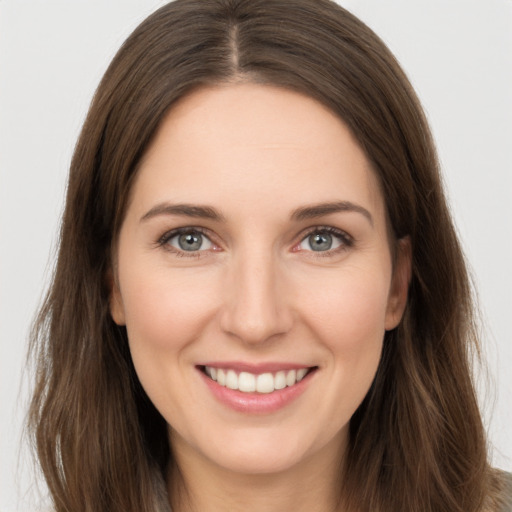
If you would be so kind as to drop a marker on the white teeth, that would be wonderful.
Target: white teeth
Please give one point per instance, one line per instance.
(249, 383)
(291, 378)
(301, 374)
(231, 380)
(280, 380)
(265, 383)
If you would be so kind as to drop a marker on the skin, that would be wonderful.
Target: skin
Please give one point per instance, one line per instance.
(256, 291)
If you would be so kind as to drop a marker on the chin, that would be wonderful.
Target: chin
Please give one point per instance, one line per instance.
(249, 461)
(266, 451)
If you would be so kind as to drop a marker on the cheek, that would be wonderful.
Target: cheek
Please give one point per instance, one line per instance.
(348, 318)
(164, 301)
(350, 310)
(166, 310)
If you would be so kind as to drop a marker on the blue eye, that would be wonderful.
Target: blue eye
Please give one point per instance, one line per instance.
(320, 241)
(323, 240)
(190, 240)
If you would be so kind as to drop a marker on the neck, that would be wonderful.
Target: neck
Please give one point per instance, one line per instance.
(197, 484)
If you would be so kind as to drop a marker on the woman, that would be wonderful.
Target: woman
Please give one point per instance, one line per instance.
(260, 302)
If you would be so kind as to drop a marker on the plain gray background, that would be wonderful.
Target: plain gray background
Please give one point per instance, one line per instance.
(457, 53)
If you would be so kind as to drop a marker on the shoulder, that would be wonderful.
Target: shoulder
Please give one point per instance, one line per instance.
(506, 482)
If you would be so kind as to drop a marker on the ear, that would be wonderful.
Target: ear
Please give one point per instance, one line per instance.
(397, 299)
(115, 300)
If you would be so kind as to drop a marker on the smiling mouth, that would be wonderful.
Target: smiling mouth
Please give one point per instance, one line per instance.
(256, 383)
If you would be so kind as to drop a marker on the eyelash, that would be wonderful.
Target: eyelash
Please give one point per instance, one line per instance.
(346, 241)
(163, 241)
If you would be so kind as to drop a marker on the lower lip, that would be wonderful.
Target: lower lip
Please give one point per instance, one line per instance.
(257, 403)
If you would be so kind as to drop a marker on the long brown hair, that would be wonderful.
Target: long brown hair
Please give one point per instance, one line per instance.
(417, 441)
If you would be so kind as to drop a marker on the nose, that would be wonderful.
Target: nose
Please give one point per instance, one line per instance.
(255, 308)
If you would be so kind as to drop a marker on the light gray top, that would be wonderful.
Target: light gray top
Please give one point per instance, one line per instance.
(507, 479)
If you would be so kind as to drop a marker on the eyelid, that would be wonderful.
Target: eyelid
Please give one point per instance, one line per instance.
(168, 235)
(347, 240)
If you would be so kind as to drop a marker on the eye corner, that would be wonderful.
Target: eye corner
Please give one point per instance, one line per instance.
(296, 246)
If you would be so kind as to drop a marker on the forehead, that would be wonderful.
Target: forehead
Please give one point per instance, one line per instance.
(255, 141)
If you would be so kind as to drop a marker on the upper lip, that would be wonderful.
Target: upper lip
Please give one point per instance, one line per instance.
(255, 368)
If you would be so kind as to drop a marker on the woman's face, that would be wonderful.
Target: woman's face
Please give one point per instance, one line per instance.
(255, 251)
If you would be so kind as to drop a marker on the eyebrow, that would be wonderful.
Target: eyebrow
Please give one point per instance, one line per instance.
(319, 210)
(303, 213)
(188, 210)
